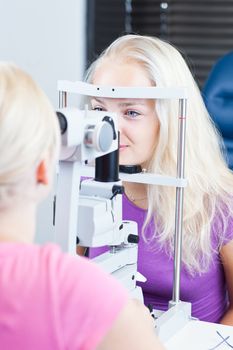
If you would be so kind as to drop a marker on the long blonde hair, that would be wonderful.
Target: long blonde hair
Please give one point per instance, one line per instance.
(28, 129)
(210, 183)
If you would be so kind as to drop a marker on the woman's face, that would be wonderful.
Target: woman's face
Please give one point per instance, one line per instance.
(137, 120)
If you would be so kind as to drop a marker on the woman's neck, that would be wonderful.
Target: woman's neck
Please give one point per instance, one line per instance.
(17, 224)
(137, 194)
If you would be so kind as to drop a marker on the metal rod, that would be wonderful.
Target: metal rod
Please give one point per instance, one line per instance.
(179, 201)
(67, 196)
(62, 99)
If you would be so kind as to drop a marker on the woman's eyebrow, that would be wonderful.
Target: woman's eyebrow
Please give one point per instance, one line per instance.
(131, 103)
(95, 99)
(136, 102)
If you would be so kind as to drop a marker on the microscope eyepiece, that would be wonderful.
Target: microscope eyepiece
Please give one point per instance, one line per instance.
(62, 122)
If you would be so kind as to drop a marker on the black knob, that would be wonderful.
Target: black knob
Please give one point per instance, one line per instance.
(133, 238)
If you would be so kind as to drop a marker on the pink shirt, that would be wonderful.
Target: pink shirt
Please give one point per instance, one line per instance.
(49, 300)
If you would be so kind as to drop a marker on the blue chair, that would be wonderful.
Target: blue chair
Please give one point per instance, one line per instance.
(218, 97)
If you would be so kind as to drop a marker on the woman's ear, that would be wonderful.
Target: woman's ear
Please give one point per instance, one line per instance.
(42, 173)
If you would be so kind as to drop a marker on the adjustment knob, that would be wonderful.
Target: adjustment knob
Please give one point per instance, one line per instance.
(133, 238)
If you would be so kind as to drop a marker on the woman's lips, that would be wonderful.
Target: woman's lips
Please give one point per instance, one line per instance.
(122, 147)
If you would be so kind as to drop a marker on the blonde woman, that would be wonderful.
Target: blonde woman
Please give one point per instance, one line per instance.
(148, 137)
(49, 300)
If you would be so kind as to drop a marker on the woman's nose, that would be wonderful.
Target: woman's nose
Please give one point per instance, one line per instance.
(120, 121)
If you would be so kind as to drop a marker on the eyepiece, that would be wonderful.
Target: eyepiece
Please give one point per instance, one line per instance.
(62, 122)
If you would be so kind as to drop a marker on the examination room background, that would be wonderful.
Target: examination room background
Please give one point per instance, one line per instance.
(56, 39)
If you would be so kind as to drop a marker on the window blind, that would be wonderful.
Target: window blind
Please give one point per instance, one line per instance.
(201, 29)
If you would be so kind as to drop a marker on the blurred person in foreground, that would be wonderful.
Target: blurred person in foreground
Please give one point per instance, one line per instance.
(49, 300)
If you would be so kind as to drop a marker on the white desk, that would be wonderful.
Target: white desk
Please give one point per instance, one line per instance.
(198, 335)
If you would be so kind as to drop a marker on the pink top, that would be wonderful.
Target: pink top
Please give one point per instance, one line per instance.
(49, 300)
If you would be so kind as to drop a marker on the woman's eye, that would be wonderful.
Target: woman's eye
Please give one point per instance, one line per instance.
(132, 114)
(97, 108)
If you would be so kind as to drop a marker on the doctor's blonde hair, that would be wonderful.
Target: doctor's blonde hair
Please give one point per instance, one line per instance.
(210, 183)
(28, 131)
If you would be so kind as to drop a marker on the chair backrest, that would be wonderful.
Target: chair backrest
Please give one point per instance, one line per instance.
(218, 97)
